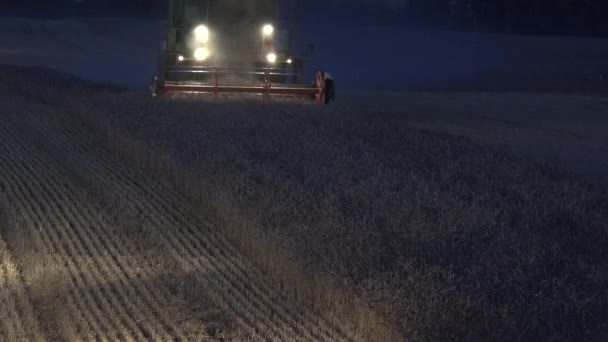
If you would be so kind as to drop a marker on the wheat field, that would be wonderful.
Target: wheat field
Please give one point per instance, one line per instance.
(93, 250)
(127, 218)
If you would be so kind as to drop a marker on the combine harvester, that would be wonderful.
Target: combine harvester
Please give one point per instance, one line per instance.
(234, 46)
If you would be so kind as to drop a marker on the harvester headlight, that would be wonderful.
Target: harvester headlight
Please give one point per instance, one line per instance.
(289, 61)
(201, 54)
(271, 57)
(180, 58)
(201, 33)
(268, 30)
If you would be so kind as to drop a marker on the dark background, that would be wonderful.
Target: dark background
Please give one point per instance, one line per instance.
(564, 17)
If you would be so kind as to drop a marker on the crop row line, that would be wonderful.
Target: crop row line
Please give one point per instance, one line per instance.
(34, 194)
(17, 317)
(193, 261)
(218, 243)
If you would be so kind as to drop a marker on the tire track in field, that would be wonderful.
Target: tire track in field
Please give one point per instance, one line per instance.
(85, 318)
(314, 327)
(34, 213)
(90, 318)
(18, 320)
(64, 191)
(87, 284)
(226, 255)
(256, 298)
(235, 301)
(115, 167)
(320, 329)
(71, 213)
(86, 305)
(108, 242)
(164, 200)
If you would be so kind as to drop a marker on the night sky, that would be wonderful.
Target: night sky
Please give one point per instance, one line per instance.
(569, 17)
(352, 8)
(352, 12)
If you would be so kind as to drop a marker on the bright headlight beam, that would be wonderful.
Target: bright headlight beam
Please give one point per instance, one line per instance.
(271, 57)
(268, 30)
(201, 54)
(289, 61)
(201, 33)
(180, 58)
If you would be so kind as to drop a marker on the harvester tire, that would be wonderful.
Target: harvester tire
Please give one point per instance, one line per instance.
(155, 87)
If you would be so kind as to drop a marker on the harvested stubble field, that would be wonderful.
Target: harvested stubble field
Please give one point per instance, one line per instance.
(130, 218)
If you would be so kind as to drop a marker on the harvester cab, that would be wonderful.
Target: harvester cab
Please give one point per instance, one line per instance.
(233, 46)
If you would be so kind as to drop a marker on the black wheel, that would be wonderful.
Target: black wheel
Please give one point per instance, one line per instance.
(328, 90)
(155, 86)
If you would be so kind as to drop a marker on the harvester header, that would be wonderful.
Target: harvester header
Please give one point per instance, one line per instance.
(233, 46)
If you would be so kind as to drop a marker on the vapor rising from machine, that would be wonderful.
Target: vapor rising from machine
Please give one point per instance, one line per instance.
(235, 46)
